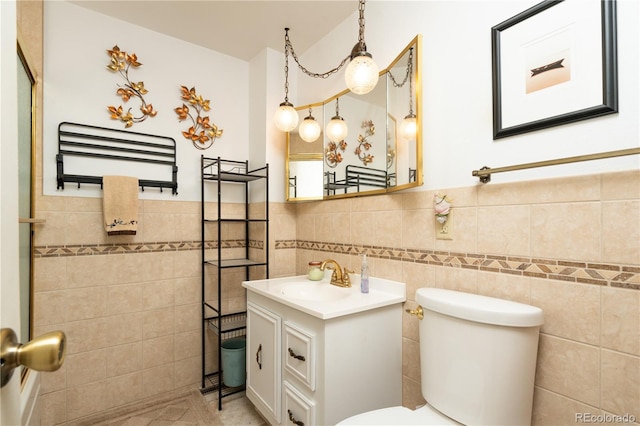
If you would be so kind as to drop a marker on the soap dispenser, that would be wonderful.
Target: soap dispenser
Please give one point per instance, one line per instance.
(364, 275)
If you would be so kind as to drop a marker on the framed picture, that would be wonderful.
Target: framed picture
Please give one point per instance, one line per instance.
(553, 64)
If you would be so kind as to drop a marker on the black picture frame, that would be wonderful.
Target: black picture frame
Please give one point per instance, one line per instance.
(609, 83)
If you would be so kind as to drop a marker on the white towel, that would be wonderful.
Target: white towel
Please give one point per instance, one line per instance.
(120, 204)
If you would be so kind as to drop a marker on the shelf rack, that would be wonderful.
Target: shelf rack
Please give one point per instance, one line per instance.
(100, 143)
(225, 325)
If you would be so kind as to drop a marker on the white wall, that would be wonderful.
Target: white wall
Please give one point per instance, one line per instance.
(457, 99)
(79, 87)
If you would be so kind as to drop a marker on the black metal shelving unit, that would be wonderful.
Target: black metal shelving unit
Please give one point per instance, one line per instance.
(219, 172)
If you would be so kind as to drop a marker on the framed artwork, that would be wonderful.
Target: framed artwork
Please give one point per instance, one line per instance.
(554, 63)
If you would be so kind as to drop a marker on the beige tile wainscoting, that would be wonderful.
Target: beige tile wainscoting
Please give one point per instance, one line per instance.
(570, 246)
(130, 307)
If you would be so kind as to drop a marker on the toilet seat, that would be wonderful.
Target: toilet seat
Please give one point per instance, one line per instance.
(425, 415)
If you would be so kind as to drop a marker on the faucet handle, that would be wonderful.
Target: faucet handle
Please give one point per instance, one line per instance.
(345, 276)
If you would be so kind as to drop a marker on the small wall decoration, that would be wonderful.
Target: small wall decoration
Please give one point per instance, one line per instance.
(441, 207)
(121, 62)
(554, 63)
(202, 133)
(364, 144)
(333, 153)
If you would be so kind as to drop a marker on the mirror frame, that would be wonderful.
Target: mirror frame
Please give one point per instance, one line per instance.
(416, 43)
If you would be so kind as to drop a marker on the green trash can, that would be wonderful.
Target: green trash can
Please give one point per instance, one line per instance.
(233, 362)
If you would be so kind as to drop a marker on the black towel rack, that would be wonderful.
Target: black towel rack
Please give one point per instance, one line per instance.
(98, 142)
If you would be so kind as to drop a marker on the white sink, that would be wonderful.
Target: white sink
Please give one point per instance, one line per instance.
(320, 292)
(325, 300)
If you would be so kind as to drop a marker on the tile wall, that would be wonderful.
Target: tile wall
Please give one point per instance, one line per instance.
(570, 246)
(130, 305)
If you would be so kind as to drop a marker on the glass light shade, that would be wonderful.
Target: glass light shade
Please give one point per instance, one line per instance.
(409, 127)
(309, 129)
(286, 117)
(336, 129)
(361, 75)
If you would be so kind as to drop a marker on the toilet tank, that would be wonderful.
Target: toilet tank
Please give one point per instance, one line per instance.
(478, 356)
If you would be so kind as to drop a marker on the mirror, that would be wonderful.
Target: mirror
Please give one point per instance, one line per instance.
(376, 156)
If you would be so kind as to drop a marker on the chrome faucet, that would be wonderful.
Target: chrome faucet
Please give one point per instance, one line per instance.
(340, 276)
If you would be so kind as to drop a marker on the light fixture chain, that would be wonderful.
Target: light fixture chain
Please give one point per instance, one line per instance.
(286, 71)
(363, 47)
(407, 75)
(289, 47)
(410, 82)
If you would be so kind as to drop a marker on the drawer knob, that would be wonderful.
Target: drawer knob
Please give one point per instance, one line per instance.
(293, 419)
(296, 356)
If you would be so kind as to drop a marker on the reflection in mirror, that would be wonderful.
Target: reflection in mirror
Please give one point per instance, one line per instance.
(400, 106)
(357, 163)
(377, 155)
(305, 159)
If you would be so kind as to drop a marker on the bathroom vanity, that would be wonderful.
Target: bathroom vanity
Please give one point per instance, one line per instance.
(317, 353)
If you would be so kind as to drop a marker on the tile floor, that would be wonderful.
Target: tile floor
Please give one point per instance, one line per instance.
(192, 409)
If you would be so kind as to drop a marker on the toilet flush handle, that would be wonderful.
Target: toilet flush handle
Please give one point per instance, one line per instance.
(417, 312)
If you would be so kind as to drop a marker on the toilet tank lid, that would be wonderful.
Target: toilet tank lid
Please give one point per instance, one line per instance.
(474, 307)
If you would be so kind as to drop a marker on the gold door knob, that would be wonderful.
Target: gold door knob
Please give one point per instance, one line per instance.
(44, 353)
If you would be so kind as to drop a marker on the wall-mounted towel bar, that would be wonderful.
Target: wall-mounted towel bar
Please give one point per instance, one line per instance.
(119, 145)
(484, 174)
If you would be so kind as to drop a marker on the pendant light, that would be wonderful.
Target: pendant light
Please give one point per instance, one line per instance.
(361, 75)
(336, 129)
(409, 127)
(309, 129)
(286, 117)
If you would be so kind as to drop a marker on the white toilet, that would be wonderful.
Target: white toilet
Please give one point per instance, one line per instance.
(478, 361)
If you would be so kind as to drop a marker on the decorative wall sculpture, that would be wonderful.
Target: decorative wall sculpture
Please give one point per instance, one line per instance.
(333, 153)
(121, 62)
(364, 144)
(202, 133)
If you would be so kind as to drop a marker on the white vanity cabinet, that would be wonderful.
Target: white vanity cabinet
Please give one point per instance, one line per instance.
(263, 360)
(303, 370)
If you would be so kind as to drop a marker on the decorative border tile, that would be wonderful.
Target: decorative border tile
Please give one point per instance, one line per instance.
(579, 272)
(623, 276)
(134, 248)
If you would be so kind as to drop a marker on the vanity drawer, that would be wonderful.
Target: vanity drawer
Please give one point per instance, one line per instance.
(298, 409)
(299, 354)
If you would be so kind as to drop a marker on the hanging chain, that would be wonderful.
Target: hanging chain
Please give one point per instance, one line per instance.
(407, 77)
(286, 68)
(409, 71)
(411, 83)
(363, 46)
(289, 47)
(337, 107)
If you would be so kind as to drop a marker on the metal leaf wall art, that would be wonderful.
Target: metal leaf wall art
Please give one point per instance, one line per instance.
(121, 62)
(202, 133)
(333, 153)
(363, 144)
